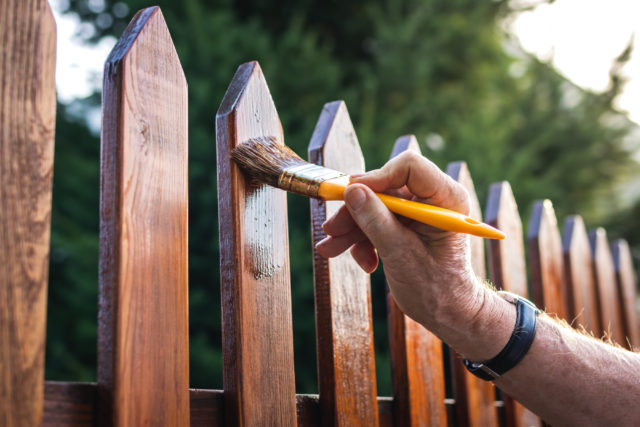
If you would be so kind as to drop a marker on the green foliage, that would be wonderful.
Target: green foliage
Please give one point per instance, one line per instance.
(438, 69)
(73, 284)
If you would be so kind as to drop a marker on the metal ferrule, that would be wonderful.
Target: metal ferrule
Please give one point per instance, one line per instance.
(306, 179)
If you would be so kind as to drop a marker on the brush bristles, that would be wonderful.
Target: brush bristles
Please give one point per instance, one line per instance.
(264, 159)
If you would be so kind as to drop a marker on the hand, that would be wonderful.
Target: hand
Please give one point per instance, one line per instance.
(428, 270)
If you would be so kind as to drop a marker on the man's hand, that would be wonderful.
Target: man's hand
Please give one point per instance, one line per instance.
(566, 378)
(427, 269)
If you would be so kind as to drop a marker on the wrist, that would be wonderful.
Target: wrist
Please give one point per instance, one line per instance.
(477, 325)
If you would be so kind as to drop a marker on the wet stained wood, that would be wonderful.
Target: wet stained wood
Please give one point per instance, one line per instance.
(344, 328)
(627, 282)
(606, 286)
(143, 336)
(254, 265)
(417, 369)
(69, 404)
(546, 262)
(507, 271)
(583, 311)
(27, 125)
(74, 404)
(475, 398)
(207, 408)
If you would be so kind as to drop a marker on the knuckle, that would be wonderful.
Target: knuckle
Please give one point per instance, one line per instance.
(410, 156)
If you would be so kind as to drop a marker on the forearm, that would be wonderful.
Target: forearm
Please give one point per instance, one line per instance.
(566, 378)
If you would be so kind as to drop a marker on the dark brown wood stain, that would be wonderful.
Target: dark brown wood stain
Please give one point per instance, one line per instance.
(254, 266)
(143, 337)
(344, 326)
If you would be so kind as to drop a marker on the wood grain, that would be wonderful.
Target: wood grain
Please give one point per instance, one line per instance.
(475, 398)
(508, 271)
(417, 370)
(254, 266)
(627, 282)
(546, 262)
(143, 323)
(27, 126)
(73, 404)
(344, 327)
(607, 289)
(69, 404)
(578, 272)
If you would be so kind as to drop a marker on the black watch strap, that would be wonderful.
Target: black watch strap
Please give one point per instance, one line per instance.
(518, 345)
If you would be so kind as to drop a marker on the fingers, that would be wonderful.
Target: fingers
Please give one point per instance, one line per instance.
(340, 223)
(332, 246)
(343, 233)
(422, 177)
(365, 255)
(380, 226)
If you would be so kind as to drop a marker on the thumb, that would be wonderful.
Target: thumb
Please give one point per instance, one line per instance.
(374, 219)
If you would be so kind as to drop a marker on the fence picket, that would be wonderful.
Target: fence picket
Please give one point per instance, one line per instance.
(578, 267)
(254, 266)
(344, 326)
(475, 398)
(417, 370)
(143, 307)
(546, 262)
(607, 289)
(627, 289)
(27, 126)
(508, 271)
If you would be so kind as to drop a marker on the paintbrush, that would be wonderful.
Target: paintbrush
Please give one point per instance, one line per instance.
(267, 161)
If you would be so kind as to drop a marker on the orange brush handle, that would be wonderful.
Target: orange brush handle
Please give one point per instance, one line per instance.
(427, 214)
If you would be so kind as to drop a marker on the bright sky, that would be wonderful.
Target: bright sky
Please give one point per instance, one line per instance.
(581, 37)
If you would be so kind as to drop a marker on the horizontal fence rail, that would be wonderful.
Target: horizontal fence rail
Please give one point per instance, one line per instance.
(143, 370)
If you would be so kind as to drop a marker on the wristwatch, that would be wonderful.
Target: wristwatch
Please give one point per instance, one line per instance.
(518, 345)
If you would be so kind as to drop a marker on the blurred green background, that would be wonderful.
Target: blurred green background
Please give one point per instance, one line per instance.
(444, 70)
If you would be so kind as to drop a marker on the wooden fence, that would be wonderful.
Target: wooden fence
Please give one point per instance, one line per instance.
(143, 313)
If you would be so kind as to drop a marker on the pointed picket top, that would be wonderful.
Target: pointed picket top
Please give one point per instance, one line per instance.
(459, 171)
(506, 257)
(578, 270)
(404, 143)
(147, 32)
(417, 370)
(475, 398)
(627, 288)
(507, 269)
(27, 126)
(143, 305)
(334, 143)
(255, 282)
(546, 262)
(605, 279)
(346, 359)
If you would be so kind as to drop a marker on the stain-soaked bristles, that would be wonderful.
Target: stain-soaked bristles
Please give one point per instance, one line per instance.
(266, 161)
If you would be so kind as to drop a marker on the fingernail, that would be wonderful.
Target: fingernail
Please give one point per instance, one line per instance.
(355, 197)
(355, 176)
